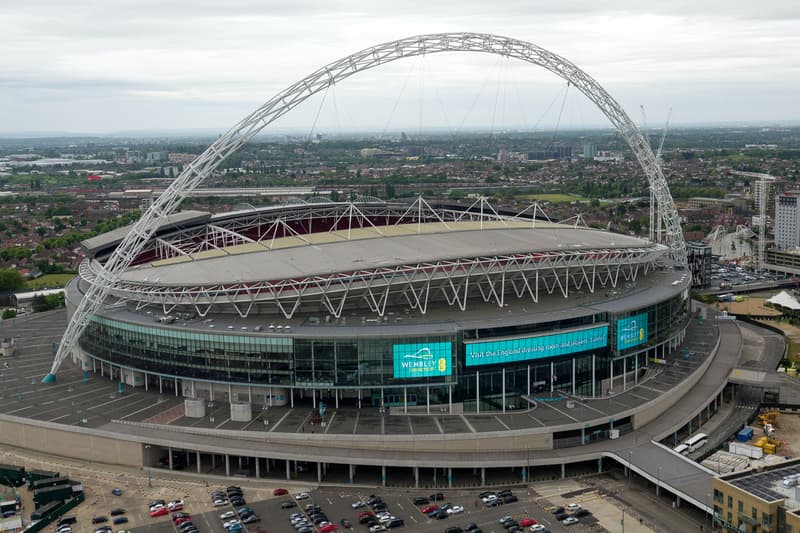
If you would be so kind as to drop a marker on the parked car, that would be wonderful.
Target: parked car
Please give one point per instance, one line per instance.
(582, 512)
(430, 508)
(227, 515)
(120, 520)
(358, 505)
(421, 500)
(99, 519)
(568, 521)
(455, 509)
(159, 511)
(436, 497)
(118, 511)
(525, 522)
(572, 507)
(116, 492)
(301, 496)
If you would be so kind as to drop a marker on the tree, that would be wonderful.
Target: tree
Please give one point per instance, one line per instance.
(8, 313)
(11, 279)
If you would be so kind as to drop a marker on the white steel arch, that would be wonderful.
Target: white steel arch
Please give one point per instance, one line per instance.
(319, 80)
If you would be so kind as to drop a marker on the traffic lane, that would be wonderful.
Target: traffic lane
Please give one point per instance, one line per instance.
(337, 504)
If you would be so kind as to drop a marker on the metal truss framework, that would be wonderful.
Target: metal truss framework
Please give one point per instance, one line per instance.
(264, 226)
(198, 170)
(455, 282)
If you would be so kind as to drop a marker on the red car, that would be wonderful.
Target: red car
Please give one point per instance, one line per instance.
(280, 492)
(176, 507)
(525, 522)
(429, 509)
(179, 521)
(362, 514)
(160, 511)
(329, 528)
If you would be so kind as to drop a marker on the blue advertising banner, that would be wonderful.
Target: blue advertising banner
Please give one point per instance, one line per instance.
(631, 331)
(426, 360)
(539, 347)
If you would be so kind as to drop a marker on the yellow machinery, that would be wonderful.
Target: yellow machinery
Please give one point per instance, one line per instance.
(768, 417)
(768, 445)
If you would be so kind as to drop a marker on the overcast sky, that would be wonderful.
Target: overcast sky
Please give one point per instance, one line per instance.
(107, 66)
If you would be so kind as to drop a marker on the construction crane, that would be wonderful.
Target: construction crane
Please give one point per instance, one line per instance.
(655, 220)
(762, 190)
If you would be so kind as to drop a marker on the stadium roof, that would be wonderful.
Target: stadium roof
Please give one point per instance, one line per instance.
(96, 244)
(373, 253)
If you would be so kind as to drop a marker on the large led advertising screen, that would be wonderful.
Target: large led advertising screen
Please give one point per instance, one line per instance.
(426, 360)
(538, 347)
(631, 331)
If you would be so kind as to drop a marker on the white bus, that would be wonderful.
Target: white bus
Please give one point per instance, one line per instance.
(682, 449)
(696, 442)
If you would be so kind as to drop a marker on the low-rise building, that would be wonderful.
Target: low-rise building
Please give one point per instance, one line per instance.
(764, 501)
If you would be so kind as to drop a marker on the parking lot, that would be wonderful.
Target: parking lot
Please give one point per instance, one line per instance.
(336, 503)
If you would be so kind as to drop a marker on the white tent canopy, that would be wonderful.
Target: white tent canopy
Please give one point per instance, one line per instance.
(784, 299)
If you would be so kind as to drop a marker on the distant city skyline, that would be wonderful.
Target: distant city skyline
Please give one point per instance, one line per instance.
(102, 67)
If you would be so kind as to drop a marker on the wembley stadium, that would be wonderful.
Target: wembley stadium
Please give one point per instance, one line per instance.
(389, 305)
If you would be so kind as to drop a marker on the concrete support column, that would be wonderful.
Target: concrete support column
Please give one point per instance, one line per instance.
(477, 391)
(268, 464)
(336, 395)
(145, 382)
(198, 462)
(449, 477)
(600, 465)
(383, 475)
(416, 477)
(636, 369)
(552, 375)
(176, 386)
(594, 381)
(169, 452)
(624, 374)
(227, 465)
(483, 476)
(314, 398)
(583, 436)
(450, 399)
(611, 371)
(525, 474)
(428, 399)
(529, 380)
(258, 468)
(352, 473)
(291, 399)
(213, 461)
(102, 371)
(319, 472)
(573, 376)
(160, 381)
(563, 470)
(504, 389)
(405, 399)
(288, 471)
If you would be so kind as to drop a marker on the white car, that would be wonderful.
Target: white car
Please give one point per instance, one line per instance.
(385, 519)
(505, 519)
(572, 507)
(156, 507)
(301, 496)
(456, 509)
(226, 515)
(489, 498)
(568, 521)
(376, 528)
(537, 527)
(220, 503)
(229, 523)
(358, 505)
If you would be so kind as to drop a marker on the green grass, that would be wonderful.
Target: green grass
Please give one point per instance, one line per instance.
(49, 281)
(555, 198)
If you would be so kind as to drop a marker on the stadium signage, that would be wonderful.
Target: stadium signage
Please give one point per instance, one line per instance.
(631, 331)
(414, 361)
(538, 347)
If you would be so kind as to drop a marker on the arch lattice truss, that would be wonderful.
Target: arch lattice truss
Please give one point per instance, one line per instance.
(197, 171)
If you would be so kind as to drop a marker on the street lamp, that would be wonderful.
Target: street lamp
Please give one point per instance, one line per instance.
(630, 463)
(149, 474)
(658, 482)
(708, 514)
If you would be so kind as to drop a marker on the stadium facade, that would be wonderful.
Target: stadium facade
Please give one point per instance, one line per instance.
(383, 305)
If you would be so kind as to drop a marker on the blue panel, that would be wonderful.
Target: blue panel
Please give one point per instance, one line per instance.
(631, 331)
(422, 360)
(539, 347)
